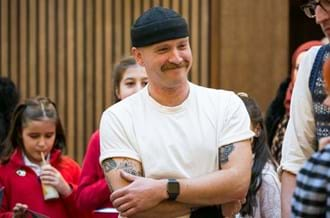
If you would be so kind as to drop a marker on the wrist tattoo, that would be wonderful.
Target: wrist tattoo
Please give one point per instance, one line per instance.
(224, 153)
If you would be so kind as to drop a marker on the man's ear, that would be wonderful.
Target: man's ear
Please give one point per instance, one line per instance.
(136, 52)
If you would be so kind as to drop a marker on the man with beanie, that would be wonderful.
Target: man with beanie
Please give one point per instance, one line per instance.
(162, 148)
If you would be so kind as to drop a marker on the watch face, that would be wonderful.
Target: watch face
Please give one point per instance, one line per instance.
(173, 189)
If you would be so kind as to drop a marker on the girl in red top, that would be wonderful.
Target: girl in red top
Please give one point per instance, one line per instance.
(93, 193)
(35, 129)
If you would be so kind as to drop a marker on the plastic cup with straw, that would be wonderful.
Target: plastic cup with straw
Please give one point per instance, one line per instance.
(48, 191)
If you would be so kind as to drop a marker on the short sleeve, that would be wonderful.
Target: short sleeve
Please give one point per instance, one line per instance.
(115, 137)
(236, 123)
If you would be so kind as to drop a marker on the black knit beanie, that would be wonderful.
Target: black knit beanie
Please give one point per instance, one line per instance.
(156, 25)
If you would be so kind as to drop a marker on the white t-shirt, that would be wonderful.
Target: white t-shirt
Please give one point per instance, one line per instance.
(174, 142)
(299, 139)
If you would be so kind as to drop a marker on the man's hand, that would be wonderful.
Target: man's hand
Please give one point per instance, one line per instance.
(140, 195)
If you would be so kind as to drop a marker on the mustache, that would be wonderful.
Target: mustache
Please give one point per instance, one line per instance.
(172, 66)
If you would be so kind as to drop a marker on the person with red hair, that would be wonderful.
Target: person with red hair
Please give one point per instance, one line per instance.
(277, 115)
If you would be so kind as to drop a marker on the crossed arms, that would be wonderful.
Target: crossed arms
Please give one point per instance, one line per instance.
(137, 196)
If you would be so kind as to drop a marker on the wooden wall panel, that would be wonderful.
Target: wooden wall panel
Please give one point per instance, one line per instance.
(51, 48)
(41, 38)
(118, 31)
(66, 49)
(32, 49)
(61, 62)
(13, 24)
(23, 45)
(204, 69)
(214, 33)
(80, 91)
(98, 98)
(89, 82)
(253, 46)
(194, 40)
(108, 53)
(71, 11)
(127, 13)
(4, 42)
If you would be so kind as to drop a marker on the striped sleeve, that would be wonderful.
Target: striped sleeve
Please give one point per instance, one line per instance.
(311, 197)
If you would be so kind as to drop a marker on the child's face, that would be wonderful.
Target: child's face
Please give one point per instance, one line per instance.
(134, 79)
(38, 136)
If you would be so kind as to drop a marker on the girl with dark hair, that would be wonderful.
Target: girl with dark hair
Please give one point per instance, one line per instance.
(263, 198)
(93, 194)
(36, 131)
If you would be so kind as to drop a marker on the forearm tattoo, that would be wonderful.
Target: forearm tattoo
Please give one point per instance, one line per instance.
(126, 164)
(224, 153)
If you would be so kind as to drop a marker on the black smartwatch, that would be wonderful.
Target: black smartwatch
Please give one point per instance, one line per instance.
(173, 189)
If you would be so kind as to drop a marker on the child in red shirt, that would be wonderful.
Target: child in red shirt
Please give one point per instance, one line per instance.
(93, 193)
(36, 130)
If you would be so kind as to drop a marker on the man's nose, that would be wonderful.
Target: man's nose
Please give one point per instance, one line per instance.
(175, 57)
